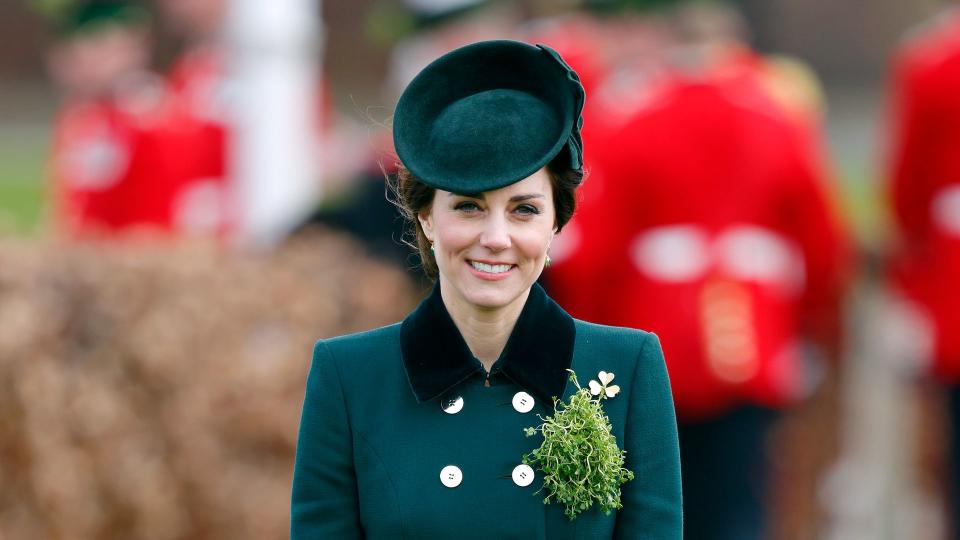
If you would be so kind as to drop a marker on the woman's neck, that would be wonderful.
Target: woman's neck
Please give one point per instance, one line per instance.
(485, 330)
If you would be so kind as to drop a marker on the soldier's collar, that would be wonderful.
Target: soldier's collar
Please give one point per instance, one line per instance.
(536, 357)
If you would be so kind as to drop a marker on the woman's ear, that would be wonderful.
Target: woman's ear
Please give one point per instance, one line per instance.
(426, 223)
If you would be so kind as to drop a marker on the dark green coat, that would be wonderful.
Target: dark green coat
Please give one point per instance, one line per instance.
(374, 435)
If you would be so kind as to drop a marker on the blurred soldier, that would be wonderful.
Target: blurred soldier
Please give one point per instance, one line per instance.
(619, 55)
(108, 165)
(925, 196)
(439, 26)
(712, 215)
(201, 96)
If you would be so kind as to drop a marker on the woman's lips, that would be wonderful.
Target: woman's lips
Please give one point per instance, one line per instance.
(490, 272)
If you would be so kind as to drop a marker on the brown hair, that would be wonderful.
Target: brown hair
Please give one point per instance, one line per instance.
(411, 196)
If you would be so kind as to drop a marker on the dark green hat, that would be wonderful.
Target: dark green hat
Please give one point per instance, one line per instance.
(74, 17)
(615, 6)
(489, 114)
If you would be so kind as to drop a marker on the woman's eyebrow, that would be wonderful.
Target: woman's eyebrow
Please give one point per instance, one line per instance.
(526, 197)
(515, 198)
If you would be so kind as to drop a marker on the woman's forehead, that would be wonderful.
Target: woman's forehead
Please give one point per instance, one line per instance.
(536, 184)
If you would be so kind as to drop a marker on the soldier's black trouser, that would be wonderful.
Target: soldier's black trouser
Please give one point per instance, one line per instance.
(724, 464)
(954, 488)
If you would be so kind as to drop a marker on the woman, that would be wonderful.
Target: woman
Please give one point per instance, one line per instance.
(416, 430)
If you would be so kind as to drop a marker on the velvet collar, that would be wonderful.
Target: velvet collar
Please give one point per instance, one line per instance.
(536, 357)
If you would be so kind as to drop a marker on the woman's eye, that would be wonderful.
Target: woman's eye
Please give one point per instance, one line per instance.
(527, 210)
(467, 206)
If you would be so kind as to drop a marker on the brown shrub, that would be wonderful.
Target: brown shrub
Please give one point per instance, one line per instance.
(154, 392)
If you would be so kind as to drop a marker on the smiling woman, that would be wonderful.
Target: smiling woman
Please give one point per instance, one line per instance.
(498, 236)
(435, 441)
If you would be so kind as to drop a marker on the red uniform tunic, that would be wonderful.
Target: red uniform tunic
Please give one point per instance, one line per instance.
(925, 183)
(198, 140)
(711, 228)
(110, 172)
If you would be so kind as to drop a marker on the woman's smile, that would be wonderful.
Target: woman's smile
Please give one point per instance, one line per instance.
(491, 271)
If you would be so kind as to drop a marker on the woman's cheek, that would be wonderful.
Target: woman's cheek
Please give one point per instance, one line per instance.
(457, 237)
(534, 245)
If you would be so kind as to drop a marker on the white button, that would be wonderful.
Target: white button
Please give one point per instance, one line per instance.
(523, 402)
(451, 476)
(523, 475)
(452, 405)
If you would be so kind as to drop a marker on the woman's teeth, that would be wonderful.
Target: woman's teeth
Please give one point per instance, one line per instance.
(491, 268)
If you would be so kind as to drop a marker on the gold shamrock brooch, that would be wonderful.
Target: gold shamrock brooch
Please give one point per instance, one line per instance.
(603, 388)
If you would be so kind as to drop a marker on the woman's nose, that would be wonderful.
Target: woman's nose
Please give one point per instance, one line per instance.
(495, 235)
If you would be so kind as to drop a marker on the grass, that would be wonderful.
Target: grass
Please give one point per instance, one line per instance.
(861, 203)
(22, 182)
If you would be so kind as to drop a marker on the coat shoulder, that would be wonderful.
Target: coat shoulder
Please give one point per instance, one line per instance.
(360, 350)
(616, 336)
(614, 347)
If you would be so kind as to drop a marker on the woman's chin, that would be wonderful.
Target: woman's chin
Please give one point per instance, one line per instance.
(492, 295)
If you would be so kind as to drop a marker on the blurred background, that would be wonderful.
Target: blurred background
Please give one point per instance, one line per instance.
(192, 192)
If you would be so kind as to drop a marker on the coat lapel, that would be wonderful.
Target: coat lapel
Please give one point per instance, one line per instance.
(536, 357)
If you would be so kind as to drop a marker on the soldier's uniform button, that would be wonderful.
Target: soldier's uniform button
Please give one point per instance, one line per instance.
(451, 476)
(523, 402)
(523, 475)
(452, 405)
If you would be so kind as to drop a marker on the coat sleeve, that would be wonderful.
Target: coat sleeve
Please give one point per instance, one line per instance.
(652, 503)
(912, 174)
(325, 503)
(814, 224)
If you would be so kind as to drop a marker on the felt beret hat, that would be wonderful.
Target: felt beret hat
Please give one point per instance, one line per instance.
(489, 114)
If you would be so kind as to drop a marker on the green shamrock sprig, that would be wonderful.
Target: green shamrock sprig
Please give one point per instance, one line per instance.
(579, 457)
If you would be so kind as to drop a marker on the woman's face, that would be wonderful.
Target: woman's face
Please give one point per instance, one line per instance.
(491, 247)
